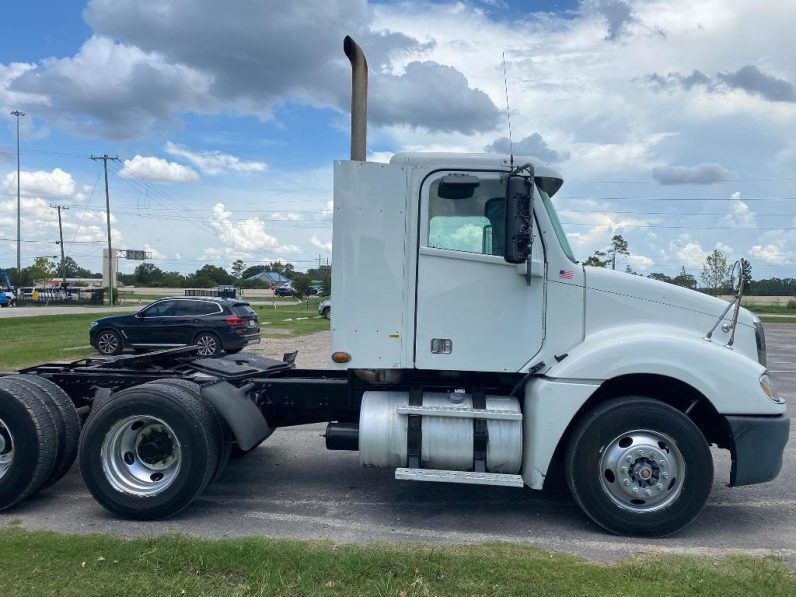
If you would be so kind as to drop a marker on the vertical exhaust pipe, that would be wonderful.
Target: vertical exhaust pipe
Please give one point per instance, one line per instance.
(359, 98)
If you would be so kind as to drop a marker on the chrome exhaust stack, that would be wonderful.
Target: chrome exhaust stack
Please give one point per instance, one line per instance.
(359, 98)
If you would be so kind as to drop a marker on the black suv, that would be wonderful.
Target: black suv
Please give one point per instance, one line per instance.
(212, 324)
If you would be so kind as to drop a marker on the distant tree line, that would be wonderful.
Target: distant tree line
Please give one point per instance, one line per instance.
(45, 269)
(716, 276)
(210, 276)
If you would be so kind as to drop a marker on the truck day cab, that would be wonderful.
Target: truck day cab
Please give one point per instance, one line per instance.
(468, 346)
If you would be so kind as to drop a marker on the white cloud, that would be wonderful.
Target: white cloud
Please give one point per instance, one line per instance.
(686, 252)
(214, 162)
(640, 261)
(155, 254)
(774, 253)
(246, 235)
(325, 245)
(157, 169)
(739, 214)
(288, 216)
(57, 183)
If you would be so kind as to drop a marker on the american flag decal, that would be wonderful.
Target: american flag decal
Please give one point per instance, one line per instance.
(566, 274)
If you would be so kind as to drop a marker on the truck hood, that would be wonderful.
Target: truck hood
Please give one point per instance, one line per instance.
(631, 295)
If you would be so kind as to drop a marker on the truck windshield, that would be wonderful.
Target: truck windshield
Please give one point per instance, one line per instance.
(560, 234)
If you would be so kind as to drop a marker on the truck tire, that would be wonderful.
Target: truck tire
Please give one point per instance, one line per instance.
(28, 443)
(67, 423)
(637, 466)
(109, 343)
(223, 430)
(148, 451)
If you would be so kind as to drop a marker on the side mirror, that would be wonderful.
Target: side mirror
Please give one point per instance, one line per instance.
(519, 210)
(457, 186)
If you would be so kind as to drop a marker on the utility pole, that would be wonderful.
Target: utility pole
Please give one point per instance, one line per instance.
(105, 158)
(17, 113)
(61, 242)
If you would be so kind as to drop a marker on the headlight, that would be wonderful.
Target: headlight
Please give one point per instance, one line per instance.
(94, 324)
(767, 385)
(760, 339)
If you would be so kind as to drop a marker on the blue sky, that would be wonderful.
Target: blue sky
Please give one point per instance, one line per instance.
(673, 122)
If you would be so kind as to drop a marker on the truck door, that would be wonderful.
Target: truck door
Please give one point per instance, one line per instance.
(475, 312)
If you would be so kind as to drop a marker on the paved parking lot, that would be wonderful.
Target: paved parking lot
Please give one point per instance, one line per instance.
(292, 487)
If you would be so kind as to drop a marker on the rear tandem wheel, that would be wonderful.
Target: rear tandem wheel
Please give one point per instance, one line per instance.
(148, 451)
(29, 442)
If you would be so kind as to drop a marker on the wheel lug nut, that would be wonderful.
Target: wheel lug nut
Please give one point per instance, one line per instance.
(626, 482)
(640, 452)
(624, 469)
(647, 492)
(659, 486)
(629, 458)
(635, 490)
(665, 475)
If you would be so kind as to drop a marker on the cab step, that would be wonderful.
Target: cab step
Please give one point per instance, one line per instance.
(463, 477)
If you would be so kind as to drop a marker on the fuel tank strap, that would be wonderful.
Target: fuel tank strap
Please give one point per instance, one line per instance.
(414, 431)
(480, 433)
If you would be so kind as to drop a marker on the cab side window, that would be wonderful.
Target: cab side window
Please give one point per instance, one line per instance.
(472, 225)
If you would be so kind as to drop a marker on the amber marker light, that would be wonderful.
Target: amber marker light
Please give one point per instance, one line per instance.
(341, 357)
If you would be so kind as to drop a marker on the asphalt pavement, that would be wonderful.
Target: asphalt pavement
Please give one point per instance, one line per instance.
(292, 487)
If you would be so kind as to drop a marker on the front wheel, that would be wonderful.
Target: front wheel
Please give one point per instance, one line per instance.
(638, 466)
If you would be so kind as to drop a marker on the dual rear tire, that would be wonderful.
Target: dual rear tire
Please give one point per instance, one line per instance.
(39, 430)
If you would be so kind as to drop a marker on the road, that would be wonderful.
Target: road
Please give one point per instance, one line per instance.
(292, 487)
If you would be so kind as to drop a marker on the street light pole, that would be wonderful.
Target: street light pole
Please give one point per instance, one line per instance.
(17, 113)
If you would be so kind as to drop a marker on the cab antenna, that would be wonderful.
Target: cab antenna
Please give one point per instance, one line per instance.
(508, 110)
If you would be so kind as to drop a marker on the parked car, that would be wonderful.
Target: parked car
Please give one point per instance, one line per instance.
(313, 291)
(213, 324)
(325, 308)
(284, 291)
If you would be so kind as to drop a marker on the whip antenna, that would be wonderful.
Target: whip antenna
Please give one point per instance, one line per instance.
(508, 110)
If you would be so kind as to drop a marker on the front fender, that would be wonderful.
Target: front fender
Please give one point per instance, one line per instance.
(729, 380)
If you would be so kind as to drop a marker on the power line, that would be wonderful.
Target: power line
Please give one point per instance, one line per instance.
(54, 242)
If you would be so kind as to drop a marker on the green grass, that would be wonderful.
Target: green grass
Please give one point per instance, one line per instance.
(26, 341)
(285, 318)
(46, 563)
(770, 309)
(775, 319)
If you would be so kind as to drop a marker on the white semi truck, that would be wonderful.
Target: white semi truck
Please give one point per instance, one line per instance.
(467, 346)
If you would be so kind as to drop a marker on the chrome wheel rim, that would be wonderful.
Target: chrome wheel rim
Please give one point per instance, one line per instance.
(6, 448)
(207, 345)
(107, 343)
(642, 471)
(141, 456)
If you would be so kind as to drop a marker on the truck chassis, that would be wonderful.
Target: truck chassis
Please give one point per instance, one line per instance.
(141, 421)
